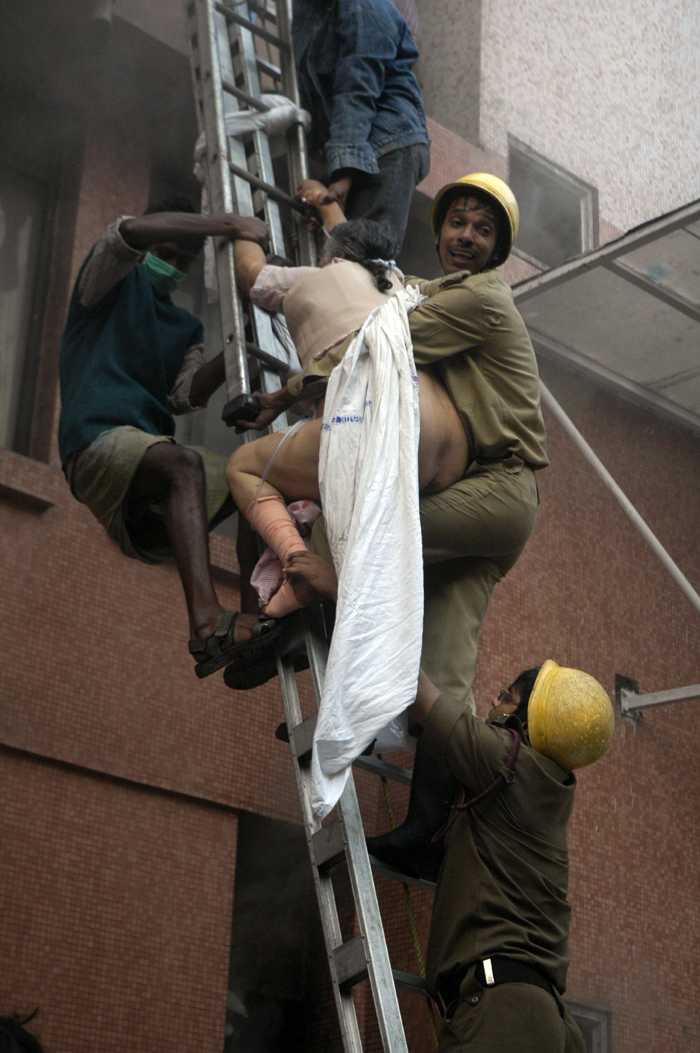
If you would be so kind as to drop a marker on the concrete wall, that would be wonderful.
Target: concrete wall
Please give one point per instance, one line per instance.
(607, 90)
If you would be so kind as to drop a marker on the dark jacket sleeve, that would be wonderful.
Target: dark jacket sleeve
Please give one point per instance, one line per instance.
(366, 41)
(473, 751)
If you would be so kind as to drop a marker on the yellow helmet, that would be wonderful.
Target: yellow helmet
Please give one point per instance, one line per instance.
(570, 718)
(498, 191)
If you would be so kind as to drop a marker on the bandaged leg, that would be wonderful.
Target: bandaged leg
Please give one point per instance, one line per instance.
(269, 516)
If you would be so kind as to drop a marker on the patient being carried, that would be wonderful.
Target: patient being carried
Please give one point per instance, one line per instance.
(324, 308)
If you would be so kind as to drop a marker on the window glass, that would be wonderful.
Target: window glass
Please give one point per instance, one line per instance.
(558, 212)
(23, 201)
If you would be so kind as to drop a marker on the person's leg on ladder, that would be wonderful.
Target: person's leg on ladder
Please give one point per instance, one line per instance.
(292, 473)
(175, 474)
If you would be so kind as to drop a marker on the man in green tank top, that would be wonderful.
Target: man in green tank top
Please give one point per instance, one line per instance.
(130, 358)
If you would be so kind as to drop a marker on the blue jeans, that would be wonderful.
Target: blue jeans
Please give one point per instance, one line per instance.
(386, 197)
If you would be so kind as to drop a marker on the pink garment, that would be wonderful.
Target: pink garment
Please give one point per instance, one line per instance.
(273, 283)
(267, 576)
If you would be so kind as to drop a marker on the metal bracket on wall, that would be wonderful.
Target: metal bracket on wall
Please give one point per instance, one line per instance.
(631, 703)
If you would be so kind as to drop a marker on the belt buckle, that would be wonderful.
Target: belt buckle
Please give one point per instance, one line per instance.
(488, 972)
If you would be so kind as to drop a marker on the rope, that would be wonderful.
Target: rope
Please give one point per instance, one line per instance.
(411, 915)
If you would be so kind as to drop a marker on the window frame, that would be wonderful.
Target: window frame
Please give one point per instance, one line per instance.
(587, 194)
(31, 352)
(598, 1024)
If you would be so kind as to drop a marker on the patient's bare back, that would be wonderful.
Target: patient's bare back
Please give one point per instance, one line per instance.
(443, 451)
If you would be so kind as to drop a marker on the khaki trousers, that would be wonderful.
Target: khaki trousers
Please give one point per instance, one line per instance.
(509, 1018)
(473, 533)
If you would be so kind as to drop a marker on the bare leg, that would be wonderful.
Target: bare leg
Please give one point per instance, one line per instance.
(293, 473)
(176, 473)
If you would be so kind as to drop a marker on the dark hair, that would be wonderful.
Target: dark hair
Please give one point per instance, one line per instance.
(524, 684)
(490, 206)
(13, 1037)
(176, 204)
(365, 242)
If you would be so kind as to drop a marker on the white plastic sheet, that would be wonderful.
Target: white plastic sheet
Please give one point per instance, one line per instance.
(368, 474)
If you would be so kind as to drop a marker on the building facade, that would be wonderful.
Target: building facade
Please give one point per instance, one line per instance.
(154, 879)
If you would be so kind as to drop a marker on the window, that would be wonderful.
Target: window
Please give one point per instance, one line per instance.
(595, 1026)
(558, 212)
(279, 991)
(24, 219)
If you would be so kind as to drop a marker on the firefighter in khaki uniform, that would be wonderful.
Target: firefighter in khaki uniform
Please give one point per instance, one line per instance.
(498, 946)
(470, 336)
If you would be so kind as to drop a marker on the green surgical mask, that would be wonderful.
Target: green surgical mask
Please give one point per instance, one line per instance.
(163, 276)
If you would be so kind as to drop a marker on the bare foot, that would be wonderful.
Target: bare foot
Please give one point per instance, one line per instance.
(315, 572)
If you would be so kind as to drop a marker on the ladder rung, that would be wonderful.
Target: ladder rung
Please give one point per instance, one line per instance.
(389, 872)
(270, 16)
(329, 845)
(303, 735)
(409, 982)
(267, 67)
(231, 16)
(351, 962)
(249, 100)
(384, 768)
(272, 191)
(263, 356)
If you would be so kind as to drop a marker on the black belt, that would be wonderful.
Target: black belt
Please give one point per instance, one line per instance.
(489, 972)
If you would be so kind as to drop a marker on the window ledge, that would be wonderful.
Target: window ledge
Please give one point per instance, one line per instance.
(29, 484)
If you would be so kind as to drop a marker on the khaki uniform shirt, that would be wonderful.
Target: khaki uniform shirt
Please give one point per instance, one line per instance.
(503, 884)
(470, 334)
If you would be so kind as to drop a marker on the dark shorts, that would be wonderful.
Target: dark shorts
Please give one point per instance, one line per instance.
(101, 474)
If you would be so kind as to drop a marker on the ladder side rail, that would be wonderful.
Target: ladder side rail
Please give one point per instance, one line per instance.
(345, 1005)
(297, 158)
(381, 976)
(243, 198)
(241, 41)
(206, 79)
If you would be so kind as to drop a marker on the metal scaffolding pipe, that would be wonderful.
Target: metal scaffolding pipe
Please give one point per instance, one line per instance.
(602, 472)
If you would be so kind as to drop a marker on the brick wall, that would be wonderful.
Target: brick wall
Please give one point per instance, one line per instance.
(122, 774)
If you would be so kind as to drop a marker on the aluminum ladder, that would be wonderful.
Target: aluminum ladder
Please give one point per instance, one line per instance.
(342, 839)
(226, 42)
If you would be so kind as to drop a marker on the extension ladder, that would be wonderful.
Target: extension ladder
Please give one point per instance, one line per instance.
(226, 44)
(226, 40)
(343, 840)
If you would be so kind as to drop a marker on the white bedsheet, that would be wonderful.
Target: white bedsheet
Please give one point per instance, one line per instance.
(368, 474)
